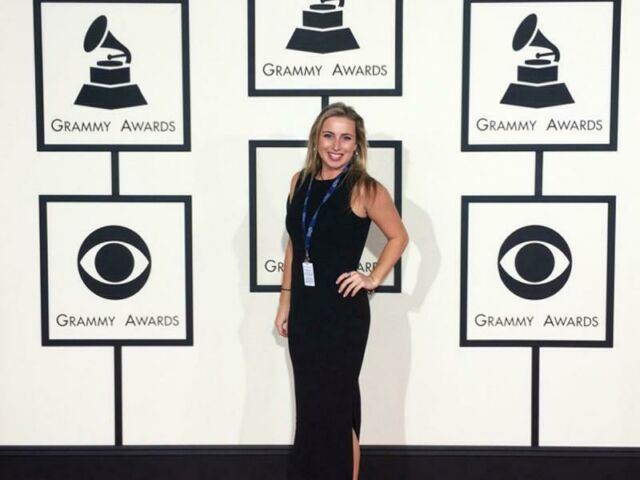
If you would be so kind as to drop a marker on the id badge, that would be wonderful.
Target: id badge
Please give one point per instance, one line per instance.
(307, 271)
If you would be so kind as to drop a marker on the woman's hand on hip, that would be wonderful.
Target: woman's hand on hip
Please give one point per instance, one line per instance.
(350, 283)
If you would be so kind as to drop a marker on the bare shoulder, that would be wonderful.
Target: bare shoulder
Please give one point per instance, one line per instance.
(373, 192)
(366, 194)
(378, 200)
(381, 209)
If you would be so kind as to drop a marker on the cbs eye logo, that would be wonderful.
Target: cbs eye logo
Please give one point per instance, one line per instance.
(114, 262)
(534, 262)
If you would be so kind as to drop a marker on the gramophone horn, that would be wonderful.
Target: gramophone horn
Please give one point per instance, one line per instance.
(525, 32)
(528, 33)
(98, 36)
(95, 33)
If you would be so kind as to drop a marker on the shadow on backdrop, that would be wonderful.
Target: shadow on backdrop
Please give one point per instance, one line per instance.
(258, 321)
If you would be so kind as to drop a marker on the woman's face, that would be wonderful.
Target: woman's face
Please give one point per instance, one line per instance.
(336, 143)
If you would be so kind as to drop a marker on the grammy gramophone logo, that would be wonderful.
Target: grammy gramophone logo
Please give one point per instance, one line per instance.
(537, 85)
(322, 30)
(110, 86)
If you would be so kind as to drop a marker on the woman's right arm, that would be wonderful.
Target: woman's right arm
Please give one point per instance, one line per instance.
(282, 316)
(284, 303)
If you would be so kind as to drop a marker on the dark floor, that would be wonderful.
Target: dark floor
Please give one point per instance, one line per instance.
(268, 463)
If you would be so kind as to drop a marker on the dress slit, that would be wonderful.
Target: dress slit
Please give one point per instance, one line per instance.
(355, 411)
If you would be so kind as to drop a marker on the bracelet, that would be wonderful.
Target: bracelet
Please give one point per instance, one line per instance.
(282, 289)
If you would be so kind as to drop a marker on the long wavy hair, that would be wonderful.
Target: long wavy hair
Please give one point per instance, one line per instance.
(357, 175)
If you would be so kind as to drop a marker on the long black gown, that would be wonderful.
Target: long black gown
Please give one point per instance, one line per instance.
(327, 335)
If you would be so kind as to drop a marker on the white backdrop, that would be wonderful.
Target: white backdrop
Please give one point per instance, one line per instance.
(234, 385)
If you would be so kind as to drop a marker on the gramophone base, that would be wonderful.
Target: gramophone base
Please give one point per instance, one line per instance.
(538, 75)
(322, 42)
(537, 96)
(110, 98)
(110, 76)
(314, 19)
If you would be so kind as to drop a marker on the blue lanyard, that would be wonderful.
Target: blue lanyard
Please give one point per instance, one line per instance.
(307, 231)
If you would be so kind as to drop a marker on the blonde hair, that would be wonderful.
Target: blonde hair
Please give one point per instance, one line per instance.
(357, 175)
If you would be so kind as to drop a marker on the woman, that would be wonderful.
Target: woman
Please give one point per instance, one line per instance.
(324, 307)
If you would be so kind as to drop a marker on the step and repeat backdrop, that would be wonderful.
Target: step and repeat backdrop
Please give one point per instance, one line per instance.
(147, 149)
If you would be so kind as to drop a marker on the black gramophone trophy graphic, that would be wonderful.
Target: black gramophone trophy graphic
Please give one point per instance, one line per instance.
(110, 86)
(322, 30)
(537, 85)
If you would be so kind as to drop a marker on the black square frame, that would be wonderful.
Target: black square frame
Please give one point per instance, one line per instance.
(615, 74)
(186, 107)
(254, 92)
(610, 201)
(44, 200)
(254, 145)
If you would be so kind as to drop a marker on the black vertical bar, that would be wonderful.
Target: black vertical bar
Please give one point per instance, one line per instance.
(37, 29)
(324, 101)
(466, 47)
(115, 173)
(615, 75)
(538, 184)
(186, 83)
(611, 262)
(253, 219)
(188, 272)
(251, 46)
(117, 388)
(535, 396)
(397, 194)
(399, 46)
(535, 351)
(44, 271)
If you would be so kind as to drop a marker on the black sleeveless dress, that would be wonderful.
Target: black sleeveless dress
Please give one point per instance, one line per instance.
(327, 335)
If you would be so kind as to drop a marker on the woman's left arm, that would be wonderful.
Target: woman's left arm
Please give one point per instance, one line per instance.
(382, 211)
